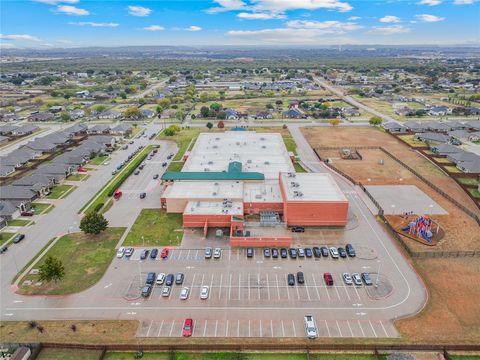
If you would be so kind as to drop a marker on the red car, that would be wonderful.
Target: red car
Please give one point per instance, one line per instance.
(164, 253)
(187, 328)
(82, 170)
(27, 213)
(328, 279)
(117, 195)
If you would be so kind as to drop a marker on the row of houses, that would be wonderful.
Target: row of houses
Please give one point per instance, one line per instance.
(465, 161)
(120, 129)
(431, 126)
(11, 132)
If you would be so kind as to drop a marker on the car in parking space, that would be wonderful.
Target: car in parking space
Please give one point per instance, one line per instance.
(208, 253)
(169, 280)
(18, 238)
(151, 277)
(316, 252)
(300, 277)
(164, 164)
(204, 292)
(179, 278)
(274, 253)
(298, 229)
(146, 291)
(291, 279)
(293, 253)
(357, 279)
(249, 252)
(114, 172)
(144, 254)
(301, 252)
(160, 279)
(366, 279)
(266, 252)
(187, 329)
(143, 195)
(120, 252)
(155, 177)
(283, 253)
(3, 249)
(166, 291)
(347, 279)
(136, 172)
(310, 327)
(164, 253)
(217, 253)
(350, 250)
(342, 252)
(328, 278)
(324, 251)
(153, 253)
(184, 293)
(27, 213)
(308, 252)
(334, 252)
(129, 252)
(142, 165)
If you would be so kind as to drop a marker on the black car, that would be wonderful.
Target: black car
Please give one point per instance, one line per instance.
(143, 195)
(144, 254)
(249, 252)
(266, 252)
(275, 253)
(18, 238)
(169, 280)
(316, 252)
(342, 252)
(324, 251)
(350, 250)
(293, 253)
(154, 253)
(164, 164)
(300, 277)
(179, 278)
(291, 279)
(136, 172)
(155, 177)
(308, 252)
(151, 277)
(3, 249)
(146, 291)
(283, 253)
(298, 229)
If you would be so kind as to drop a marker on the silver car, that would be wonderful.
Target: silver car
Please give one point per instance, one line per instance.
(217, 253)
(208, 253)
(357, 279)
(347, 279)
(334, 252)
(184, 293)
(204, 292)
(166, 291)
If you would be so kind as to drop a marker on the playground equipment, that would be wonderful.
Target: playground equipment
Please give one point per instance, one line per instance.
(422, 227)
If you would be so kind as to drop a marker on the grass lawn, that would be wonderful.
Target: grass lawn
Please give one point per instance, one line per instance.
(117, 355)
(18, 222)
(61, 354)
(87, 257)
(41, 208)
(290, 143)
(78, 177)
(99, 160)
(411, 141)
(157, 227)
(475, 193)
(59, 191)
(465, 357)
(453, 169)
(175, 166)
(468, 181)
(4, 236)
(299, 168)
(444, 161)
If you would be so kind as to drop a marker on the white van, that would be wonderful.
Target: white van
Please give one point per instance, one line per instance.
(310, 327)
(160, 279)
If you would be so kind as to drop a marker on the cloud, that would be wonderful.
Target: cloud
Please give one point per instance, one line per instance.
(464, 2)
(19, 37)
(260, 16)
(430, 2)
(227, 5)
(64, 41)
(72, 10)
(390, 19)
(55, 2)
(389, 30)
(7, 46)
(154, 28)
(327, 26)
(139, 10)
(279, 6)
(193, 28)
(353, 18)
(286, 36)
(93, 24)
(429, 18)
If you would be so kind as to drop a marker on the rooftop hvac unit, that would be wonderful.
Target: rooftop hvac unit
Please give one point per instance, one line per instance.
(215, 146)
(262, 138)
(264, 147)
(258, 196)
(214, 193)
(294, 184)
(267, 162)
(291, 174)
(215, 184)
(249, 161)
(210, 163)
(217, 138)
(206, 170)
(238, 143)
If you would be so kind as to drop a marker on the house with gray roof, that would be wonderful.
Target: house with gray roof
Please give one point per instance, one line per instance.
(432, 137)
(42, 145)
(6, 130)
(445, 149)
(19, 196)
(147, 113)
(99, 129)
(394, 127)
(8, 211)
(41, 116)
(438, 126)
(121, 129)
(76, 129)
(6, 170)
(36, 182)
(470, 167)
(473, 125)
(110, 114)
(415, 126)
(3, 140)
(439, 110)
(59, 171)
(11, 160)
(461, 156)
(293, 113)
(24, 130)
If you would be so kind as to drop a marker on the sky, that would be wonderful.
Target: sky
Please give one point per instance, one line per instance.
(81, 23)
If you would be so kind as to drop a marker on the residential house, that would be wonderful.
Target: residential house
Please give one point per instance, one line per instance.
(432, 137)
(350, 111)
(77, 114)
(403, 110)
(41, 116)
(39, 183)
(462, 135)
(12, 160)
(8, 211)
(6, 130)
(3, 140)
(6, 170)
(438, 126)
(100, 95)
(82, 94)
(473, 125)
(121, 129)
(263, 115)
(293, 105)
(231, 114)
(445, 149)
(99, 129)
(76, 130)
(24, 130)
(394, 127)
(19, 196)
(147, 113)
(110, 114)
(293, 113)
(73, 158)
(470, 167)
(42, 145)
(439, 110)
(415, 126)
(462, 156)
(55, 109)
(57, 171)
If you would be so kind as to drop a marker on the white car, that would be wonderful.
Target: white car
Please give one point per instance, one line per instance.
(310, 326)
(334, 252)
(347, 279)
(160, 279)
(184, 293)
(217, 253)
(120, 252)
(357, 279)
(106, 163)
(204, 292)
(166, 291)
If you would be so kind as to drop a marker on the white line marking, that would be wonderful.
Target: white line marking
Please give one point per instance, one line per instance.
(171, 328)
(239, 288)
(350, 328)
(238, 328)
(328, 329)
(188, 254)
(308, 293)
(283, 329)
(360, 325)
(288, 287)
(316, 287)
(211, 283)
(150, 327)
(220, 292)
(205, 328)
(338, 327)
(374, 332)
(216, 327)
(383, 327)
(271, 326)
(229, 256)
(248, 286)
(268, 288)
(258, 286)
(226, 329)
(261, 332)
(160, 328)
(230, 288)
(278, 288)
(298, 292)
(294, 330)
(248, 328)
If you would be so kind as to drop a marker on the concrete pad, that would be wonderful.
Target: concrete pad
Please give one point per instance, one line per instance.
(399, 199)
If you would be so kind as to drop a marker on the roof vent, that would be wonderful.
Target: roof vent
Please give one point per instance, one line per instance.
(214, 193)
(267, 162)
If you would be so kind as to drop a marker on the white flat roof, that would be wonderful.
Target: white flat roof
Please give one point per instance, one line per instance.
(258, 152)
(214, 208)
(204, 190)
(268, 191)
(311, 187)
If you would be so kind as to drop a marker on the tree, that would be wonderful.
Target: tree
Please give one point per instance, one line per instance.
(132, 112)
(209, 125)
(51, 269)
(220, 124)
(93, 223)
(180, 115)
(375, 120)
(164, 103)
(215, 106)
(123, 95)
(204, 111)
(159, 109)
(334, 122)
(204, 97)
(65, 116)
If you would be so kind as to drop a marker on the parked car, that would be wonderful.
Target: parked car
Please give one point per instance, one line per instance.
(114, 172)
(217, 253)
(357, 279)
(120, 252)
(316, 252)
(324, 251)
(327, 277)
(187, 330)
(82, 170)
(151, 277)
(249, 252)
(204, 292)
(266, 252)
(291, 279)
(144, 254)
(3, 249)
(179, 278)
(129, 252)
(301, 252)
(184, 293)
(274, 253)
(146, 291)
(283, 253)
(160, 279)
(293, 253)
(334, 252)
(141, 166)
(27, 213)
(136, 172)
(310, 327)
(117, 194)
(18, 238)
(164, 164)
(308, 252)
(298, 229)
(166, 291)
(164, 253)
(169, 280)
(155, 177)
(208, 253)
(347, 279)
(366, 279)
(153, 254)
(350, 250)
(300, 277)
(143, 195)
(342, 252)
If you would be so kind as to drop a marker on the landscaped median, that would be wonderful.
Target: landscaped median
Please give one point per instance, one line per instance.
(102, 196)
(86, 258)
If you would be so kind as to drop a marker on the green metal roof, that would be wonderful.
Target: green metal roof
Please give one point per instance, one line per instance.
(234, 173)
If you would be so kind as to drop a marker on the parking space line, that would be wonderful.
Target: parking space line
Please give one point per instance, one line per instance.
(283, 329)
(294, 330)
(188, 254)
(230, 288)
(374, 332)
(150, 327)
(248, 286)
(286, 282)
(160, 329)
(346, 291)
(216, 327)
(249, 328)
(193, 331)
(360, 325)
(238, 255)
(338, 327)
(258, 286)
(350, 328)
(298, 292)
(308, 293)
(328, 329)
(356, 291)
(171, 328)
(268, 288)
(196, 254)
(326, 290)
(226, 329)
(238, 328)
(383, 327)
(193, 281)
(316, 288)
(239, 287)
(205, 328)
(278, 288)
(261, 332)
(230, 255)
(271, 326)
(220, 292)
(338, 294)
(203, 278)
(211, 283)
